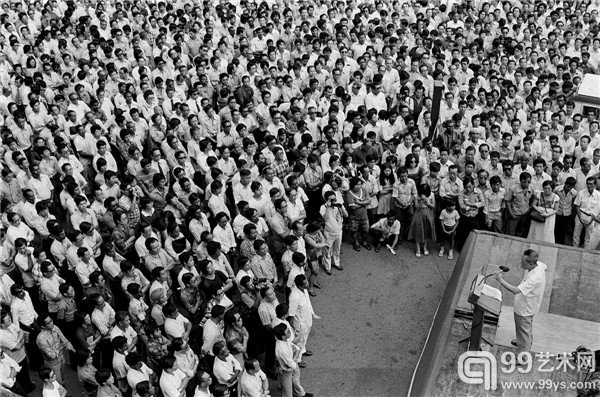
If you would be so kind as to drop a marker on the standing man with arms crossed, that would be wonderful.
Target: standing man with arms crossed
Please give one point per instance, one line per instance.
(528, 298)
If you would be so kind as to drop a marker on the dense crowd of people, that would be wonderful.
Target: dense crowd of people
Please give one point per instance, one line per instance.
(176, 176)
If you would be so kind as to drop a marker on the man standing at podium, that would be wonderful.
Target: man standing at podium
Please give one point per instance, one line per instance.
(528, 298)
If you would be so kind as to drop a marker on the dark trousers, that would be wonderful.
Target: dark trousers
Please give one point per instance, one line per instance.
(36, 360)
(23, 378)
(405, 215)
(563, 225)
(313, 204)
(379, 239)
(519, 226)
(466, 225)
(269, 345)
(107, 352)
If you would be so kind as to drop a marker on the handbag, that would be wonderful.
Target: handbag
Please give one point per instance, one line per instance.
(535, 214)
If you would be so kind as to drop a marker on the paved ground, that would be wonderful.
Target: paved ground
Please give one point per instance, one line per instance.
(375, 317)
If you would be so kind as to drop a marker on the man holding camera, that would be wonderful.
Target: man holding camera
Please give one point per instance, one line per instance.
(333, 213)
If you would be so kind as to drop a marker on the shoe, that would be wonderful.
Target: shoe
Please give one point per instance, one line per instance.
(357, 248)
(513, 342)
(450, 256)
(328, 272)
(317, 285)
(441, 254)
(367, 247)
(339, 267)
(418, 254)
(426, 253)
(377, 248)
(308, 353)
(302, 364)
(311, 293)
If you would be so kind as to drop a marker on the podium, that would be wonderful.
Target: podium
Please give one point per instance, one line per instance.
(485, 299)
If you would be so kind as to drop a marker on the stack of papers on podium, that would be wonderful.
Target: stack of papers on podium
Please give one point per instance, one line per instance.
(491, 292)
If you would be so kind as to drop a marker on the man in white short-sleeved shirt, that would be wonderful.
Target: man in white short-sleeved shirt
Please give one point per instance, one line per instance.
(176, 326)
(253, 382)
(528, 298)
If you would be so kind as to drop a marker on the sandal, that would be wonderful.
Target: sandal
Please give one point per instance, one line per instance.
(356, 247)
(317, 285)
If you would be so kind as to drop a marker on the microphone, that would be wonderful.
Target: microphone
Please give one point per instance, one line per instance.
(503, 269)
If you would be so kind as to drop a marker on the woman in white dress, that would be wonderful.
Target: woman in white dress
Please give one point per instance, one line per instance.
(546, 203)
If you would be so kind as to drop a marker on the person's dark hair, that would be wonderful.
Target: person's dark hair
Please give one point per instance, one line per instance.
(218, 347)
(143, 388)
(217, 311)
(524, 176)
(133, 359)
(249, 364)
(168, 361)
(281, 309)
(44, 373)
(280, 330)
(299, 280)
(220, 390)
(81, 357)
(119, 342)
(102, 375)
(176, 345)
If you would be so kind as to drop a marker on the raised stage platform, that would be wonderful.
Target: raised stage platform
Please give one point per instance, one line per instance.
(569, 317)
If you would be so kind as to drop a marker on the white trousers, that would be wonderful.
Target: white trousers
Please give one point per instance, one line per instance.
(577, 233)
(334, 245)
(593, 238)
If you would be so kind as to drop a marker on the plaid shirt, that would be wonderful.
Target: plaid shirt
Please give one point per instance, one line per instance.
(281, 168)
(52, 343)
(133, 211)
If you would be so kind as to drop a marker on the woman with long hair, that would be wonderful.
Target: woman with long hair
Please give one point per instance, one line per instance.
(415, 171)
(386, 186)
(422, 228)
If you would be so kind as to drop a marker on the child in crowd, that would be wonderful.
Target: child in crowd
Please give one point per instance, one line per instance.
(449, 218)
